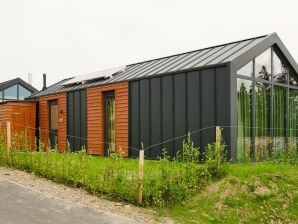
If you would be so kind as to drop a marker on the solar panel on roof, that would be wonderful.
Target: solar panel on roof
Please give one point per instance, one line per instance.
(103, 74)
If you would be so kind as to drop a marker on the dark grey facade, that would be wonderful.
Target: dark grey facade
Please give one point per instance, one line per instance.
(77, 119)
(166, 107)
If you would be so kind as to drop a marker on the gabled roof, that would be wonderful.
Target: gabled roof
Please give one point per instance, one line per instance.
(12, 82)
(237, 53)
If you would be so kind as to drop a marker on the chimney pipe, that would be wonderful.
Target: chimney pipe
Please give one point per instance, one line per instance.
(30, 78)
(44, 81)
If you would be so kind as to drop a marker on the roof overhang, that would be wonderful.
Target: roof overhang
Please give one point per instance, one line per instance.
(271, 40)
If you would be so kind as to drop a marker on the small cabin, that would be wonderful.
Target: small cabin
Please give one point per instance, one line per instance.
(19, 114)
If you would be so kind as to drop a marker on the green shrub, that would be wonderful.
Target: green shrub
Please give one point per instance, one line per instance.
(215, 157)
(189, 153)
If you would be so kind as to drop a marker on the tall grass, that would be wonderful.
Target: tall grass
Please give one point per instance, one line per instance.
(165, 181)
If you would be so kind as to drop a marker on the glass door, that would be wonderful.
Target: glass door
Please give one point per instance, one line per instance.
(53, 123)
(109, 120)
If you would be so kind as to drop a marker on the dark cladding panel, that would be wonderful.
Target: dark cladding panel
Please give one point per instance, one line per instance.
(83, 118)
(155, 113)
(70, 118)
(180, 103)
(222, 102)
(193, 105)
(77, 123)
(163, 108)
(76, 119)
(167, 113)
(145, 114)
(134, 117)
(207, 86)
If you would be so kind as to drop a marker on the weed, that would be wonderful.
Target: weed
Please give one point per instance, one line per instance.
(215, 157)
(189, 153)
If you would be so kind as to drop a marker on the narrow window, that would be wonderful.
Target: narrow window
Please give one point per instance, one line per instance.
(279, 119)
(109, 119)
(53, 122)
(244, 114)
(262, 113)
(293, 117)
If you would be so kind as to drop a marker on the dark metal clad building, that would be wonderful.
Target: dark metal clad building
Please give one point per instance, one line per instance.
(247, 87)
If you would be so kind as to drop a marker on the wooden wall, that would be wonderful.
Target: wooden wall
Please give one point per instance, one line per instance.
(62, 120)
(95, 118)
(22, 116)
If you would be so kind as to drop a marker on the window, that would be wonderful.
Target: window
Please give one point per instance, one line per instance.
(293, 116)
(109, 98)
(11, 93)
(246, 70)
(275, 120)
(1, 96)
(263, 65)
(54, 116)
(244, 108)
(23, 93)
(262, 114)
(280, 70)
(279, 116)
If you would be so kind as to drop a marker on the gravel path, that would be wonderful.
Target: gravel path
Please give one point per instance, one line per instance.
(78, 195)
(20, 204)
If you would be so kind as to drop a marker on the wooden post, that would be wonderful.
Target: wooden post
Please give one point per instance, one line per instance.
(141, 174)
(217, 145)
(8, 135)
(217, 136)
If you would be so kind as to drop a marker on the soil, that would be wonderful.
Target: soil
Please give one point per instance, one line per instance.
(79, 195)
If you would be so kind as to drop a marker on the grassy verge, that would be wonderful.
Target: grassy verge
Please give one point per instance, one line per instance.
(250, 193)
(165, 182)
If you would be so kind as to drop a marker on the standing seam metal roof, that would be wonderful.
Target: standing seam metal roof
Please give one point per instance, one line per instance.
(185, 61)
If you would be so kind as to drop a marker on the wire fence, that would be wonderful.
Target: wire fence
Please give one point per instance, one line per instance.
(127, 179)
(161, 143)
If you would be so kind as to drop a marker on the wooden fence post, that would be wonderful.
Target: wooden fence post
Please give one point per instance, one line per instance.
(8, 136)
(218, 139)
(141, 174)
(217, 136)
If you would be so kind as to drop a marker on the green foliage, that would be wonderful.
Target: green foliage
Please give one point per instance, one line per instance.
(189, 152)
(291, 153)
(165, 182)
(263, 192)
(215, 157)
(175, 181)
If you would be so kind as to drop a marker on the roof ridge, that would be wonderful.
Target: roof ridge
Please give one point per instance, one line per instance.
(201, 49)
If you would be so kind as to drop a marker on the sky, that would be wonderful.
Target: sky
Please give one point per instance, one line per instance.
(66, 38)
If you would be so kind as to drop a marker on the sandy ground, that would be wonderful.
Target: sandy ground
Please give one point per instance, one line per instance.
(79, 195)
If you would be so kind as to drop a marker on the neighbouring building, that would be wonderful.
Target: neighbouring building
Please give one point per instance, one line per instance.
(248, 87)
(15, 89)
(20, 114)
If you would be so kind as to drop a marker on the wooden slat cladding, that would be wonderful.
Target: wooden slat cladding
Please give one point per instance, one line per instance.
(22, 116)
(62, 119)
(95, 118)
